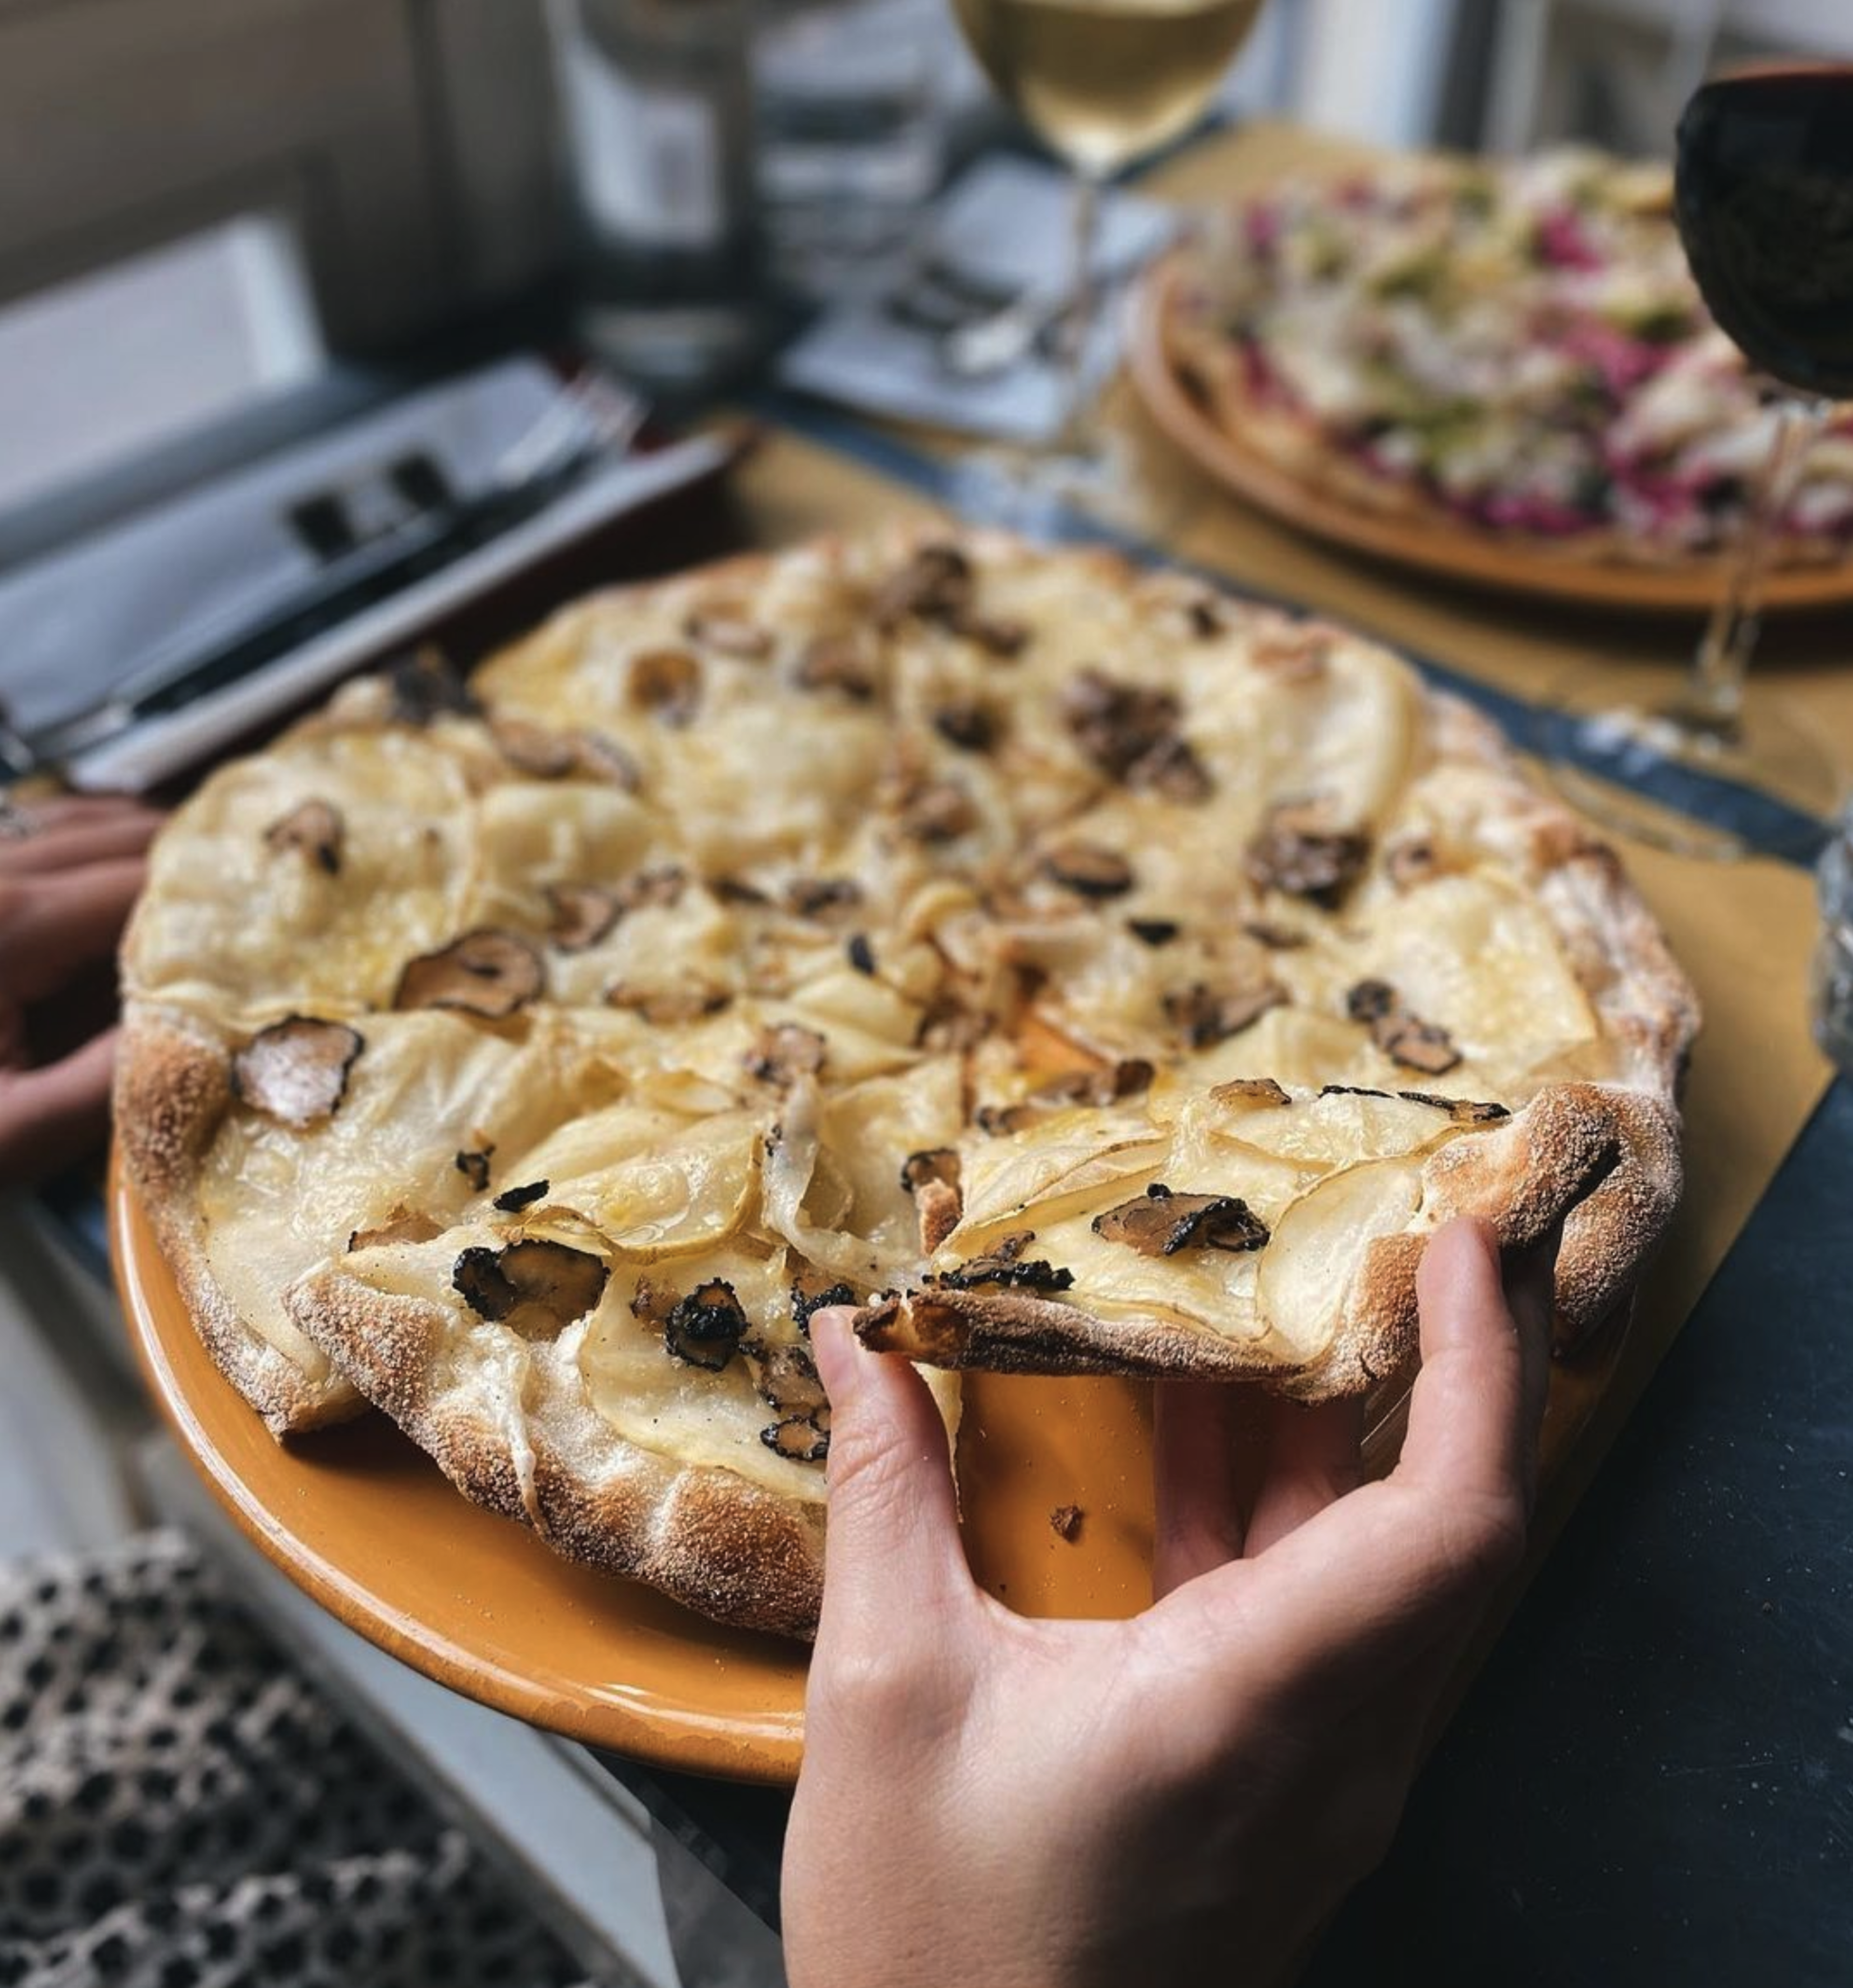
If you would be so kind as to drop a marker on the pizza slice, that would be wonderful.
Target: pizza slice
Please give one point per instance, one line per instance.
(1074, 970)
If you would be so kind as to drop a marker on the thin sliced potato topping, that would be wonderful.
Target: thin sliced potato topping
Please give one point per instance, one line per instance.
(1319, 1245)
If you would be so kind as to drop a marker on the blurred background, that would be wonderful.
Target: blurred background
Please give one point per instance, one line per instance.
(205, 202)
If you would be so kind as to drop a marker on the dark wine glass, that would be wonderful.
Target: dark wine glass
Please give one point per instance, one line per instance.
(1764, 197)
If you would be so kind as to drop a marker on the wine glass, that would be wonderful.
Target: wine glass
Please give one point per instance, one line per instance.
(1103, 83)
(1764, 197)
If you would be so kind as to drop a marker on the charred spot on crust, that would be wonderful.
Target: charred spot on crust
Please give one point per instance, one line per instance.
(536, 1287)
(705, 1328)
(1257, 1091)
(316, 828)
(810, 1294)
(1350, 1090)
(1463, 1110)
(1089, 870)
(666, 1007)
(838, 663)
(1065, 1520)
(514, 1198)
(784, 1052)
(489, 972)
(425, 687)
(804, 1438)
(295, 1070)
(859, 953)
(969, 724)
(1204, 1015)
(667, 683)
(474, 1168)
(822, 897)
(1154, 931)
(581, 914)
(1160, 1223)
(1130, 732)
(728, 635)
(1298, 851)
(1007, 1265)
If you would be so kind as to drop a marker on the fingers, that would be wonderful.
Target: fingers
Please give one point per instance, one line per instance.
(1479, 1398)
(1202, 1473)
(1313, 1458)
(68, 833)
(51, 926)
(53, 1116)
(1398, 1572)
(893, 1556)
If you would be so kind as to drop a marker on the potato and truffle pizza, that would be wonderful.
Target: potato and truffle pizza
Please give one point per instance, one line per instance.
(1514, 349)
(1074, 969)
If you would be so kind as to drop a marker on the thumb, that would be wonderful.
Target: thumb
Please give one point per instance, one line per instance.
(893, 1548)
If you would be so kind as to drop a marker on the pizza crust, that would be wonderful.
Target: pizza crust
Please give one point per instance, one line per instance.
(704, 1536)
(172, 1090)
(688, 990)
(1603, 1163)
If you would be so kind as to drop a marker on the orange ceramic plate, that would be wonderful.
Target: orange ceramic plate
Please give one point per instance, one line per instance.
(1458, 551)
(368, 1525)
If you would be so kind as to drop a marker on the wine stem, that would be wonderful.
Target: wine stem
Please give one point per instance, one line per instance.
(1077, 429)
(1713, 698)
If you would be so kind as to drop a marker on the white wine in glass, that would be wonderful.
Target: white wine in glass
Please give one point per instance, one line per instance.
(1103, 83)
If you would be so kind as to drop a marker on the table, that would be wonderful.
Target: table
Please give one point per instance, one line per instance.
(1651, 1777)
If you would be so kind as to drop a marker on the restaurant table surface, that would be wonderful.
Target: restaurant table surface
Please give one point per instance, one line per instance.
(1648, 1772)
(1649, 1775)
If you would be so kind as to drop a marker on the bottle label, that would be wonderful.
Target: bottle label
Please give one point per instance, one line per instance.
(649, 160)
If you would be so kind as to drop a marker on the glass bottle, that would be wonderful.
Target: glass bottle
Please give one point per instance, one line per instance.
(656, 100)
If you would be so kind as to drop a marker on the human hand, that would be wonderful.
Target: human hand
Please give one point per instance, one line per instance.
(1181, 1797)
(70, 868)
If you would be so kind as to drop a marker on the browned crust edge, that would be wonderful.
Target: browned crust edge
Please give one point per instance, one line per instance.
(1603, 1161)
(173, 1088)
(707, 1538)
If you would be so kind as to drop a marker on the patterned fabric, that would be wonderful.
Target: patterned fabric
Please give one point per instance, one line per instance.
(179, 1808)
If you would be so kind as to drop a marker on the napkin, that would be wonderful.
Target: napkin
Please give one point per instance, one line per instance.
(1006, 228)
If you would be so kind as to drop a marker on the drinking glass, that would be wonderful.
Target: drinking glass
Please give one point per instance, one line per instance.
(1103, 83)
(1764, 195)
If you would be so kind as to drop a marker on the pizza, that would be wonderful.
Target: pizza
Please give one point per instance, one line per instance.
(1516, 348)
(1072, 968)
